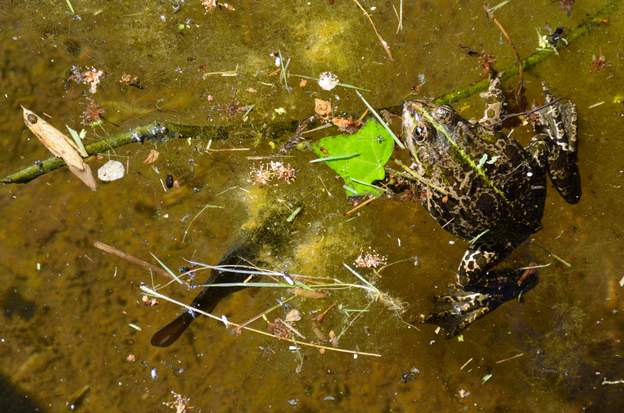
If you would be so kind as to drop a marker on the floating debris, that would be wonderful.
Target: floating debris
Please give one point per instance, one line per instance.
(210, 5)
(410, 375)
(293, 316)
(59, 145)
(111, 171)
(92, 114)
(179, 403)
(328, 81)
(462, 393)
(130, 80)
(322, 108)
(599, 62)
(370, 259)
(90, 77)
(274, 170)
(151, 157)
(347, 125)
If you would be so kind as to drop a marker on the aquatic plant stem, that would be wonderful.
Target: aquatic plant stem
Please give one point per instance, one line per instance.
(274, 129)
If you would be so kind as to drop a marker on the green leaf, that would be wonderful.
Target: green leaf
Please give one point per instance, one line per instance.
(358, 158)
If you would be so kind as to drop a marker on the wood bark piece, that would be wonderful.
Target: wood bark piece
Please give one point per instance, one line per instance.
(60, 145)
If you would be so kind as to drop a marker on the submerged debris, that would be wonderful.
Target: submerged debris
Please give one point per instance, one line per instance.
(90, 77)
(599, 62)
(92, 114)
(566, 5)
(323, 109)
(210, 5)
(130, 80)
(347, 125)
(179, 403)
(274, 170)
(370, 259)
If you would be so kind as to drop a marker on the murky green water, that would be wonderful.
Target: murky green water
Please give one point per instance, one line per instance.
(67, 306)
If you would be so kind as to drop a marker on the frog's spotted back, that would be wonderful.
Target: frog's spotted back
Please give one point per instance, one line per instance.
(482, 185)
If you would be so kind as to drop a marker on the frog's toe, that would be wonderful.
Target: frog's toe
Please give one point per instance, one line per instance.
(456, 311)
(454, 321)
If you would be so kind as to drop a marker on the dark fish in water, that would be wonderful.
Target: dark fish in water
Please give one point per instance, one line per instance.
(273, 232)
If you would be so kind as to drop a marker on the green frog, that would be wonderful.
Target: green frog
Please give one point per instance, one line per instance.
(480, 184)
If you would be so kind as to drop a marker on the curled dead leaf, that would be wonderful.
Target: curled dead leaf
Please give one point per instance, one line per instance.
(348, 125)
(293, 316)
(151, 157)
(59, 145)
(322, 108)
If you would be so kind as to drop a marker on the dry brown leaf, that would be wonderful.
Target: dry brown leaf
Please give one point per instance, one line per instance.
(60, 145)
(151, 157)
(348, 125)
(322, 108)
(293, 316)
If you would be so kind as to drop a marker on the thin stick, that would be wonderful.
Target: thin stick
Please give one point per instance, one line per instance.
(109, 249)
(510, 358)
(466, 363)
(360, 205)
(520, 88)
(155, 294)
(384, 44)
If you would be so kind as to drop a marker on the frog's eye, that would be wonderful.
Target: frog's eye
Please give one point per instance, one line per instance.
(443, 113)
(420, 133)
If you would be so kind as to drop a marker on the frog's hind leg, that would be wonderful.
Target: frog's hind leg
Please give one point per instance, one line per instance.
(495, 105)
(478, 290)
(557, 122)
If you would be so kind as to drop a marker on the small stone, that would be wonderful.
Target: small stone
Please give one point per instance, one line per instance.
(111, 171)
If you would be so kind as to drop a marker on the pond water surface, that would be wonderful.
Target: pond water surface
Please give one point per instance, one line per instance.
(73, 318)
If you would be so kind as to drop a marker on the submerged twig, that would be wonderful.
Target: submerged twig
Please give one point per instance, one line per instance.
(109, 249)
(491, 16)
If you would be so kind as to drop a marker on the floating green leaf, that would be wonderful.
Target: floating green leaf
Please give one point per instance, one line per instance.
(358, 158)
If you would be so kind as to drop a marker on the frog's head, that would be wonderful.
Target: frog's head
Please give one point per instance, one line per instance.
(426, 123)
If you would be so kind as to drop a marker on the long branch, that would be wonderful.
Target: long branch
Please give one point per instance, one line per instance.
(167, 130)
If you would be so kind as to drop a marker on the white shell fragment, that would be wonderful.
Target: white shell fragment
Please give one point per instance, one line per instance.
(111, 171)
(328, 80)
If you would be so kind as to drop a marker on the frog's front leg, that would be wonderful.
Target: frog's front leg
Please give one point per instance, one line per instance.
(495, 105)
(478, 290)
(556, 125)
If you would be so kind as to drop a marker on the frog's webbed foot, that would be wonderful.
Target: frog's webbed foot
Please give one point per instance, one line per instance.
(464, 305)
(495, 105)
(556, 141)
(477, 290)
